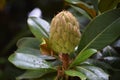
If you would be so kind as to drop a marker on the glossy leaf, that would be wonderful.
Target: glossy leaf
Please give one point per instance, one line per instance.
(72, 1)
(38, 27)
(34, 52)
(93, 73)
(75, 73)
(105, 5)
(95, 4)
(29, 45)
(117, 44)
(81, 11)
(102, 31)
(28, 61)
(30, 74)
(29, 42)
(109, 51)
(98, 63)
(82, 56)
(89, 9)
(49, 76)
(113, 61)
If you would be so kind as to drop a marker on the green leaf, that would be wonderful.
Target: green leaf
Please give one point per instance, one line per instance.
(50, 76)
(38, 27)
(93, 73)
(72, 1)
(87, 8)
(98, 63)
(28, 42)
(28, 61)
(95, 4)
(34, 52)
(29, 45)
(81, 11)
(102, 31)
(113, 61)
(82, 56)
(35, 73)
(90, 2)
(75, 73)
(105, 5)
(27, 50)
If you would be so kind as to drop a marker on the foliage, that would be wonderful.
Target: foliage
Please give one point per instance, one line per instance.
(102, 30)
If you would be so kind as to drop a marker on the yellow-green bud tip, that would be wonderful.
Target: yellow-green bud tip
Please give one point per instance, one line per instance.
(64, 32)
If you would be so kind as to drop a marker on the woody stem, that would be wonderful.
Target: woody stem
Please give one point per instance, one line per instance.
(65, 63)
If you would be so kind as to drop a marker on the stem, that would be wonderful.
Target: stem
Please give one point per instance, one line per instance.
(65, 60)
(65, 63)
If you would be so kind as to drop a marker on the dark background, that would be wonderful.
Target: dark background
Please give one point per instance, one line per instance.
(13, 26)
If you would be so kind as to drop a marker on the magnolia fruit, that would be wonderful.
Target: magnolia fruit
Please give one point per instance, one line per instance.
(64, 33)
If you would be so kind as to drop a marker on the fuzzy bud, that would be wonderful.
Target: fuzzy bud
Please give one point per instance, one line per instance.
(64, 33)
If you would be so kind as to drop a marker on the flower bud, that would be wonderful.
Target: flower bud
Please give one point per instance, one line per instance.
(64, 33)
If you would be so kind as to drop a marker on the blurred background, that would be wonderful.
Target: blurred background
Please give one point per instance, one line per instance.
(13, 26)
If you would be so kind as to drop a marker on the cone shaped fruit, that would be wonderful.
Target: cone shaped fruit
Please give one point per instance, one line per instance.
(64, 33)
